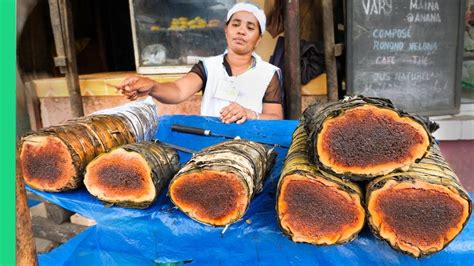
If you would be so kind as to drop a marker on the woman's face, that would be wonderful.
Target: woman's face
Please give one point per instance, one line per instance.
(242, 32)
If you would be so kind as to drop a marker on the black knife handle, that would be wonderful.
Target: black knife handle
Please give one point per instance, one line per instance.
(191, 130)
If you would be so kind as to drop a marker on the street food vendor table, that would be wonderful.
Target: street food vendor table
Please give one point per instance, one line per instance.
(161, 233)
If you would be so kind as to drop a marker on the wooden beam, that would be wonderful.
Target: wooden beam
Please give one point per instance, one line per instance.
(57, 34)
(329, 49)
(25, 243)
(47, 229)
(63, 30)
(292, 60)
(33, 106)
(57, 214)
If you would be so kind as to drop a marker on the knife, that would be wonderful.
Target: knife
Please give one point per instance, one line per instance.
(208, 132)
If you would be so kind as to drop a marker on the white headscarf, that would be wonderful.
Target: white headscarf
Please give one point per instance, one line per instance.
(257, 12)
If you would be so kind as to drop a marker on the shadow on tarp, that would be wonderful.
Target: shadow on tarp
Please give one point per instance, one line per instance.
(161, 233)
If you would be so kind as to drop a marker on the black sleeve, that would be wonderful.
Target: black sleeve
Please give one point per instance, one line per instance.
(274, 93)
(199, 70)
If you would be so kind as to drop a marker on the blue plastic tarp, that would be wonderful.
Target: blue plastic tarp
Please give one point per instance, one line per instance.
(33, 202)
(162, 233)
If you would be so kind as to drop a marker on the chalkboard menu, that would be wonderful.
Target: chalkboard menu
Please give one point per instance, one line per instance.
(409, 51)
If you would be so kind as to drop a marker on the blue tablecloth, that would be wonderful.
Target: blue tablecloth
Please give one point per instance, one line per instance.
(162, 233)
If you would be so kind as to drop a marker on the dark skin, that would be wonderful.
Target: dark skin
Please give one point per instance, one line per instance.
(242, 35)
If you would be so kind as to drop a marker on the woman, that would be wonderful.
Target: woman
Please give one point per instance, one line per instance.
(237, 85)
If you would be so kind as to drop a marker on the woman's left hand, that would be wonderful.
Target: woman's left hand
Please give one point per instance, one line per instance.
(235, 112)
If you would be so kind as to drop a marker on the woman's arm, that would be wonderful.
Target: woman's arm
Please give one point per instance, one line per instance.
(271, 111)
(166, 92)
(235, 112)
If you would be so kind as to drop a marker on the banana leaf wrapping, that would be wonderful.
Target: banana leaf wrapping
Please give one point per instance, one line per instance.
(216, 186)
(132, 175)
(140, 116)
(420, 211)
(314, 206)
(361, 138)
(53, 159)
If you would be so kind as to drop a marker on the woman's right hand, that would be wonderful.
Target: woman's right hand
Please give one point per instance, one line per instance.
(136, 86)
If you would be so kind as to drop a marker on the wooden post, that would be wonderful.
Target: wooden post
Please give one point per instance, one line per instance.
(63, 30)
(292, 60)
(25, 243)
(329, 50)
(33, 106)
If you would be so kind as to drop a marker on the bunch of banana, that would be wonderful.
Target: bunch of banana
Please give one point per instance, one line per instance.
(155, 27)
(197, 23)
(213, 23)
(182, 23)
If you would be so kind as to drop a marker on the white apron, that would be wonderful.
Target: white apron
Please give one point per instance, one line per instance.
(246, 89)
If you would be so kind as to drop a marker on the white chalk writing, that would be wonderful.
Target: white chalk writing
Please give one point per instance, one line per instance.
(414, 76)
(419, 60)
(388, 46)
(424, 17)
(423, 46)
(404, 76)
(402, 33)
(424, 5)
(385, 60)
(407, 56)
(378, 7)
(381, 76)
